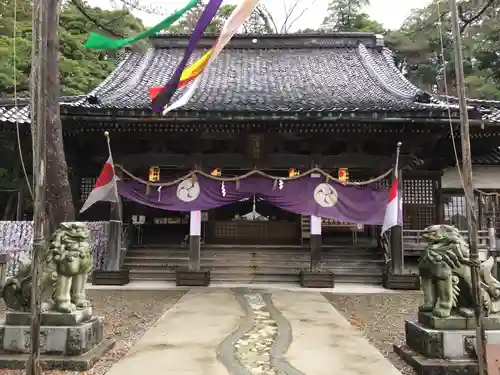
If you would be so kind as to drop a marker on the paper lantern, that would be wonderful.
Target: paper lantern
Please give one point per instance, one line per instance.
(292, 172)
(343, 174)
(216, 172)
(154, 174)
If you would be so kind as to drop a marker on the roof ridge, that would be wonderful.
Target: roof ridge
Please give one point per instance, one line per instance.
(389, 58)
(275, 41)
(370, 66)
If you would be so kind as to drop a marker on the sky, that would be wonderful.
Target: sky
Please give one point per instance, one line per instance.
(391, 13)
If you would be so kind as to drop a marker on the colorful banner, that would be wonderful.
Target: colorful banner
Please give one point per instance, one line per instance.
(103, 42)
(163, 98)
(235, 21)
(306, 195)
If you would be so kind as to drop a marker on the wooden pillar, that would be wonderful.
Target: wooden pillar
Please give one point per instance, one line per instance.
(115, 235)
(397, 251)
(315, 242)
(492, 244)
(114, 238)
(194, 240)
(19, 207)
(438, 199)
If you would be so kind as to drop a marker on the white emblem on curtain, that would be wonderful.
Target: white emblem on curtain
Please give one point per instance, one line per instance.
(325, 195)
(188, 190)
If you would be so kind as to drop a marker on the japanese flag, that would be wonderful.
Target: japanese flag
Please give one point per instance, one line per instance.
(105, 189)
(392, 209)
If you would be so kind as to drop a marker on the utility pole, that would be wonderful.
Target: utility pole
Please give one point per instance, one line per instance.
(468, 190)
(38, 125)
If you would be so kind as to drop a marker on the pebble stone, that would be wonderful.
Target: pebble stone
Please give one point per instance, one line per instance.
(253, 349)
(127, 316)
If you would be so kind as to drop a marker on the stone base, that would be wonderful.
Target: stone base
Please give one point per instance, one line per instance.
(456, 322)
(15, 318)
(118, 278)
(76, 363)
(317, 279)
(435, 366)
(184, 277)
(401, 282)
(72, 340)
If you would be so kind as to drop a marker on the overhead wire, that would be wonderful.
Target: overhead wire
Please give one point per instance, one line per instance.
(470, 200)
(452, 130)
(16, 106)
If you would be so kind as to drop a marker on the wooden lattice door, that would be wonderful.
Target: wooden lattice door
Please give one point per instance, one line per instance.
(419, 203)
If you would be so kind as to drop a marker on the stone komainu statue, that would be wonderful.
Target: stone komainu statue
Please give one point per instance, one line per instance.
(66, 265)
(445, 270)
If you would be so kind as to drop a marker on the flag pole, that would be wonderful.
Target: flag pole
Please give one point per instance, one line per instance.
(397, 231)
(115, 222)
(115, 186)
(469, 191)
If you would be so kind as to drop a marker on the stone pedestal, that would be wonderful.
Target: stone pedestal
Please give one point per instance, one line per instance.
(185, 277)
(401, 282)
(67, 341)
(116, 278)
(446, 348)
(317, 279)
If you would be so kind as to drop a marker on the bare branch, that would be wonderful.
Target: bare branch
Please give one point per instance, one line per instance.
(466, 21)
(299, 16)
(288, 14)
(268, 18)
(84, 13)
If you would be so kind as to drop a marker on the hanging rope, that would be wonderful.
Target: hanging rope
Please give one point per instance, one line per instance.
(195, 172)
(470, 200)
(16, 109)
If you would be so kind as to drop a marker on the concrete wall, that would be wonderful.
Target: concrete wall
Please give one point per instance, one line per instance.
(483, 177)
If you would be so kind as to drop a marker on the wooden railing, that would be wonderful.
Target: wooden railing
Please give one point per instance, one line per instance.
(414, 243)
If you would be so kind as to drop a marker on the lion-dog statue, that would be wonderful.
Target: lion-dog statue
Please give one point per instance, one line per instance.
(445, 271)
(66, 265)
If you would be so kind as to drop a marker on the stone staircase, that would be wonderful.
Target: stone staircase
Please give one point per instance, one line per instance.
(256, 264)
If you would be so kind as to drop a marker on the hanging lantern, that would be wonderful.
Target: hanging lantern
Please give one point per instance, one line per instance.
(154, 174)
(344, 175)
(292, 172)
(216, 172)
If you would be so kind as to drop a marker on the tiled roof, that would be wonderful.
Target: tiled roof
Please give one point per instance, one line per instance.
(332, 73)
(342, 72)
(18, 111)
(490, 158)
(322, 73)
(490, 109)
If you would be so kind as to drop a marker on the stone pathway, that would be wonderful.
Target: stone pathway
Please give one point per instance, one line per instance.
(253, 332)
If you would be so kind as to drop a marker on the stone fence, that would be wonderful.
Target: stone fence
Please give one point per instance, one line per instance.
(16, 240)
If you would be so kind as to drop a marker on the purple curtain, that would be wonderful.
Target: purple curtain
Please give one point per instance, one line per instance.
(306, 195)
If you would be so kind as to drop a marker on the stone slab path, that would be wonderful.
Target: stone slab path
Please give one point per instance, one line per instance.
(253, 332)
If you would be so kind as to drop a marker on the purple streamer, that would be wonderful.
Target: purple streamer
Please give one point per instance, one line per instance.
(164, 97)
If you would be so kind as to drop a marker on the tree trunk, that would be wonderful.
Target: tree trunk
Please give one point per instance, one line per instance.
(59, 198)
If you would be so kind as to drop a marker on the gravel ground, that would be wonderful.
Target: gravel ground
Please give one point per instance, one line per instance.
(127, 314)
(381, 319)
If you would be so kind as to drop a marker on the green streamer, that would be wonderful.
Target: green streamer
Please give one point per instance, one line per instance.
(102, 42)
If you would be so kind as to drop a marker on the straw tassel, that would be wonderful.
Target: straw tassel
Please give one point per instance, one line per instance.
(237, 184)
(275, 185)
(148, 189)
(194, 178)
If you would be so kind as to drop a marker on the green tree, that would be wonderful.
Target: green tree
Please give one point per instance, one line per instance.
(424, 48)
(187, 24)
(81, 69)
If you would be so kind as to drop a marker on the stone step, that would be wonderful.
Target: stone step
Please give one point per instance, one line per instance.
(157, 261)
(245, 279)
(244, 255)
